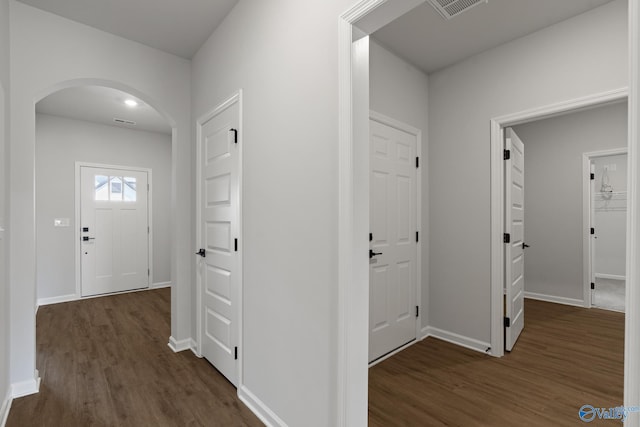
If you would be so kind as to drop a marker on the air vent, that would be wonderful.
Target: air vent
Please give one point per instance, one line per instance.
(124, 122)
(451, 8)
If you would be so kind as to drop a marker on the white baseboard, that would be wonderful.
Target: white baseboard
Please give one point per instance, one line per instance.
(425, 332)
(182, 345)
(610, 276)
(262, 411)
(57, 300)
(25, 388)
(160, 285)
(557, 300)
(453, 338)
(4, 409)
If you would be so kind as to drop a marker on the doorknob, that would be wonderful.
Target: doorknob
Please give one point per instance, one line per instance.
(372, 254)
(202, 253)
(524, 245)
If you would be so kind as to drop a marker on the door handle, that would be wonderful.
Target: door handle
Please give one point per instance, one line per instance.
(372, 254)
(524, 245)
(202, 253)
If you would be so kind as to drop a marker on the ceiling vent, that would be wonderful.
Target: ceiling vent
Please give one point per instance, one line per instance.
(124, 122)
(451, 8)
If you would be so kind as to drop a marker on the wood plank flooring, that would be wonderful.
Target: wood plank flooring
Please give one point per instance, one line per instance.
(565, 358)
(105, 362)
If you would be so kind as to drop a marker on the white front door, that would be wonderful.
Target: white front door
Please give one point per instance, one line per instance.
(514, 238)
(114, 238)
(392, 270)
(220, 263)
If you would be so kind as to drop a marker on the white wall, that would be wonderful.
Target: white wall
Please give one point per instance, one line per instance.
(4, 136)
(610, 215)
(283, 54)
(553, 194)
(399, 91)
(575, 58)
(60, 142)
(49, 53)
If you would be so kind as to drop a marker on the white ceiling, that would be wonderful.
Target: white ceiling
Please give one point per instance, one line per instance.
(431, 43)
(179, 27)
(101, 105)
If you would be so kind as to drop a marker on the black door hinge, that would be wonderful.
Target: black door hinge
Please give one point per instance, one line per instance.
(417, 310)
(417, 162)
(235, 245)
(506, 238)
(417, 236)
(371, 237)
(592, 176)
(506, 155)
(507, 322)
(593, 285)
(593, 230)
(235, 354)
(235, 135)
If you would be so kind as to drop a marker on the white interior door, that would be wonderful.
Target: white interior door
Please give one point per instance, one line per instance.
(219, 268)
(392, 270)
(114, 242)
(514, 238)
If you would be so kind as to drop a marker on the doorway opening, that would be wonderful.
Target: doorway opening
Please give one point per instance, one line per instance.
(84, 233)
(606, 204)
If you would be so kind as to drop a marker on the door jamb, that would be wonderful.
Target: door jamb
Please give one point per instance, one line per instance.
(417, 133)
(498, 124)
(196, 347)
(587, 242)
(77, 222)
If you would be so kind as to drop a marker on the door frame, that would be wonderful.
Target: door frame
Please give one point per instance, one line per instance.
(498, 125)
(351, 401)
(587, 241)
(78, 222)
(417, 133)
(196, 348)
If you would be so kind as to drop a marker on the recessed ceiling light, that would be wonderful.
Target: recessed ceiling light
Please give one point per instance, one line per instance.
(131, 103)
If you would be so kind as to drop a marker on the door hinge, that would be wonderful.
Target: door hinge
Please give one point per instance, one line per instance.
(417, 310)
(148, 229)
(506, 154)
(235, 353)
(235, 245)
(592, 176)
(593, 285)
(148, 187)
(371, 237)
(593, 230)
(506, 238)
(148, 272)
(235, 135)
(417, 236)
(417, 162)
(507, 322)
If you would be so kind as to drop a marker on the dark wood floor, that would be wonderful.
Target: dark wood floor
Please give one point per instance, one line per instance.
(105, 362)
(566, 357)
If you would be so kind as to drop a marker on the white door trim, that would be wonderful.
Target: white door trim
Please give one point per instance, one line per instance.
(498, 125)
(385, 120)
(233, 99)
(77, 221)
(587, 242)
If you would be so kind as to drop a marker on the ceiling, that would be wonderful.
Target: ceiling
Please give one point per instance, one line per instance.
(101, 105)
(430, 42)
(179, 27)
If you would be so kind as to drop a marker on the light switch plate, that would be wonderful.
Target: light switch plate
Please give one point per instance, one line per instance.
(61, 222)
